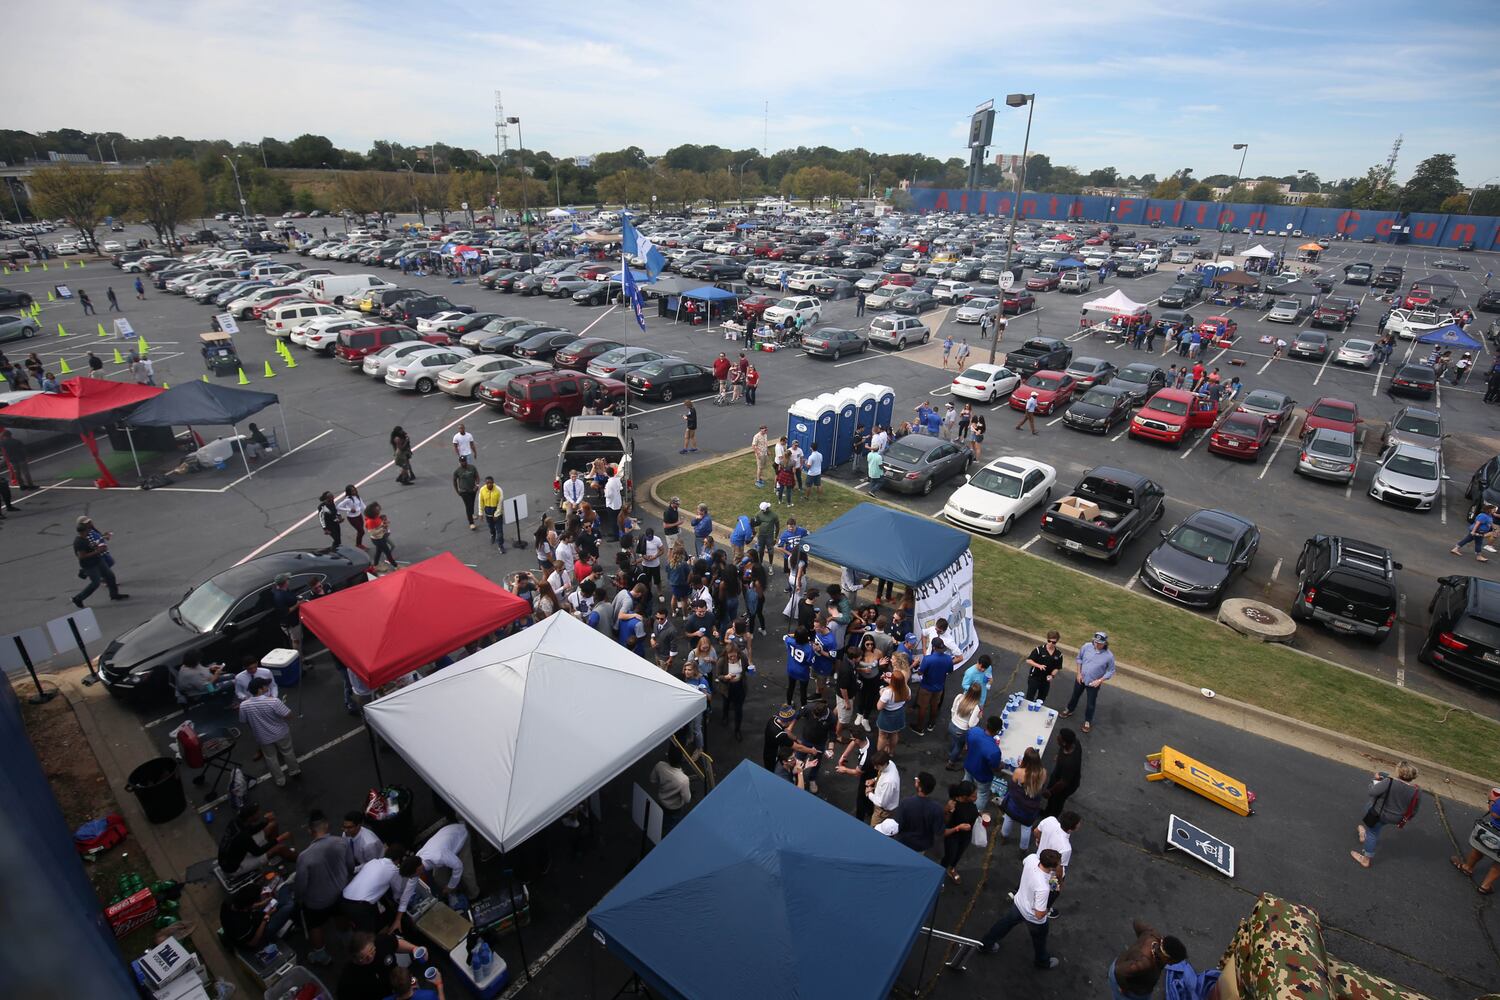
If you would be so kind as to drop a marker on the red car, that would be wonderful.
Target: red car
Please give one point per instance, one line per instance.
(754, 305)
(550, 398)
(1017, 302)
(1417, 298)
(1211, 326)
(579, 353)
(1241, 435)
(259, 310)
(1043, 282)
(1171, 413)
(596, 272)
(1338, 414)
(357, 344)
(904, 280)
(1053, 391)
(1094, 241)
(777, 253)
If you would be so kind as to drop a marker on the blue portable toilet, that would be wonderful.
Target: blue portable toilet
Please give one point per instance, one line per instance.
(810, 421)
(845, 417)
(885, 402)
(827, 405)
(865, 394)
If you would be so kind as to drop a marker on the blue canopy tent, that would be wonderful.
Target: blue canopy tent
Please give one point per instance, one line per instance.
(1070, 262)
(1451, 335)
(711, 298)
(763, 864)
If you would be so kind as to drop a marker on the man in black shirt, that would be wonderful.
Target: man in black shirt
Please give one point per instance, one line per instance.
(15, 454)
(812, 740)
(92, 567)
(1044, 663)
(919, 819)
(778, 736)
(671, 521)
(699, 623)
(371, 959)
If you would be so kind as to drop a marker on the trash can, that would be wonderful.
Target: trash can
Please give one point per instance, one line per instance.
(159, 787)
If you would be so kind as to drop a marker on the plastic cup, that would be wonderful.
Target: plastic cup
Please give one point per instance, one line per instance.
(420, 954)
(1040, 740)
(431, 974)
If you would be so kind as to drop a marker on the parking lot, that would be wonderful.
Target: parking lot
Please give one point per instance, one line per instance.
(339, 421)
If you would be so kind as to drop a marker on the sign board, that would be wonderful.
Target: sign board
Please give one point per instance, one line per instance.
(950, 595)
(123, 328)
(226, 323)
(63, 291)
(1007, 281)
(36, 645)
(645, 813)
(1202, 845)
(515, 508)
(464, 206)
(583, 162)
(62, 636)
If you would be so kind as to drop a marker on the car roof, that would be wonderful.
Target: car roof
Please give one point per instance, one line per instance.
(1334, 401)
(1420, 411)
(1484, 595)
(1141, 367)
(1219, 521)
(1016, 463)
(1415, 451)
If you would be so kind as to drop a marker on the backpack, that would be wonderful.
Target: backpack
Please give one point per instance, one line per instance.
(99, 835)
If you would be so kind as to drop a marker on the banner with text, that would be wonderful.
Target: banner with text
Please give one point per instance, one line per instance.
(950, 595)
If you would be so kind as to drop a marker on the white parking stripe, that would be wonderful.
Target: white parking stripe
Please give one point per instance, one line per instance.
(1274, 452)
(605, 313)
(544, 437)
(301, 759)
(1276, 571)
(857, 361)
(1031, 541)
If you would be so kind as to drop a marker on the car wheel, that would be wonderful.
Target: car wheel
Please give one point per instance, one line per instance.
(901, 344)
(666, 394)
(424, 386)
(28, 332)
(926, 336)
(1006, 525)
(25, 302)
(836, 354)
(927, 486)
(327, 352)
(554, 420)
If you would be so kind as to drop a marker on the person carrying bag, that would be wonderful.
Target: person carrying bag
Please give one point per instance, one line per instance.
(1392, 799)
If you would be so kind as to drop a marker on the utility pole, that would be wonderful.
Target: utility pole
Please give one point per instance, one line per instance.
(239, 190)
(1013, 101)
(502, 139)
(1245, 146)
(525, 206)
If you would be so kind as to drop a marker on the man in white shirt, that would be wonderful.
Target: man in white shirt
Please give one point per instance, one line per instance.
(364, 842)
(573, 490)
(252, 671)
(795, 456)
(464, 445)
(614, 499)
(885, 790)
(1056, 833)
(1039, 873)
(362, 896)
(445, 849)
(813, 465)
(567, 550)
(879, 440)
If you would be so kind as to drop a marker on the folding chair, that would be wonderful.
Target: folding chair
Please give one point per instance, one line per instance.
(203, 755)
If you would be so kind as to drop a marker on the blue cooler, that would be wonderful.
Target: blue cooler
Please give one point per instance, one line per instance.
(285, 665)
(494, 978)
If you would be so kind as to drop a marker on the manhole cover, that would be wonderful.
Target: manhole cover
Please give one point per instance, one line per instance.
(1258, 615)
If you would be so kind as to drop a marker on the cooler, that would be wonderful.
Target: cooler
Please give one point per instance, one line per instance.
(492, 980)
(298, 984)
(845, 419)
(285, 665)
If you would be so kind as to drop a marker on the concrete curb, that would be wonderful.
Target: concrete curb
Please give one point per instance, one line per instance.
(1468, 788)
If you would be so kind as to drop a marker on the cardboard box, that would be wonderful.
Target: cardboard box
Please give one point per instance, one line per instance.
(1084, 510)
(133, 911)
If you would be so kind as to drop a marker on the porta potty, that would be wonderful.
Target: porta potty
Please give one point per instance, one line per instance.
(885, 401)
(865, 394)
(846, 417)
(809, 422)
(828, 420)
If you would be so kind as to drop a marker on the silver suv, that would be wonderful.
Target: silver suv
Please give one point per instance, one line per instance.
(898, 331)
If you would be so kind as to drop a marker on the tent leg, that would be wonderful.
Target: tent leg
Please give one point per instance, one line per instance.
(374, 755)
(510, 876)
(243, 457)
(129, 437)
(287, 444)
(926, 945)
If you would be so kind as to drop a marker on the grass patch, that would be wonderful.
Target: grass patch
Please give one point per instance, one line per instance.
(1034, 594)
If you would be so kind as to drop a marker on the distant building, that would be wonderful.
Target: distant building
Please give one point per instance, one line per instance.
(1288, 196)
(68, 157)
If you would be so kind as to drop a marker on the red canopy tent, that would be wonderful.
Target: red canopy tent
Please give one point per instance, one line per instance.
(82, 405)
(410, 617)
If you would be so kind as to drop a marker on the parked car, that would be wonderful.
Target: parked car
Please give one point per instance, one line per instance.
(1017, 302)
(1171, 413)
(974, 310)
(493, 390)
(669, 379)
(985, 383)
(1106, 510)
(1408, 476)
(1140, 380)
(543, 346)
(578, 354)
(1328, 453)
(353, 345)
(1414, 380)
(1089, 372)
(834, 342)
(1053, 391)
(1200, 557)
(807, 307)
(621, 361)
(1414, 425)
(17, 327)
(1242, 434)
(375, 365)
(1336, 313)
(1309, 344)
(1356, 352)
(913, 302)
(1277, 406)
(1347, 585)
(419, 370)
(1099, 409)
(998, 494)
(221, 618)
(1039, 353)
(898, 331)
(464, 378)
(1463, 631)
(917, 462)
(1330, 412)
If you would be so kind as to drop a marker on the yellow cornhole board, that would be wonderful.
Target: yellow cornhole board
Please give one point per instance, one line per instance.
(1196, 776)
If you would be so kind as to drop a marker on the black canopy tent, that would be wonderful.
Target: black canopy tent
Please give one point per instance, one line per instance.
(189, 403)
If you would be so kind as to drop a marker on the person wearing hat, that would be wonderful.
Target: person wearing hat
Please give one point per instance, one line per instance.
(778, 736)
(91, 546)
(287, 614)
(1096, 664)
(767, 525)
(1488, 829)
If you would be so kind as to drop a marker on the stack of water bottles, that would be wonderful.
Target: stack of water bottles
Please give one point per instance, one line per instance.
(481, 957)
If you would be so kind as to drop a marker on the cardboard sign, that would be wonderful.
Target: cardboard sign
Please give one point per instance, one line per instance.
(123, 328)
(63, 291)
(1202, 845)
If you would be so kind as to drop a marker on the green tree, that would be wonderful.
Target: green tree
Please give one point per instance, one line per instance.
(1265, 193)
(1104, 177)
(1199, 192)
(1434, 179)
(1038, 171)
(1454, 204)
(305, 200)
(1236, 194)
(166, 194)
(1169, 189)
(78, 193)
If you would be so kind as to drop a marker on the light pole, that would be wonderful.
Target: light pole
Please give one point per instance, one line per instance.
(97, 148)
(1240, 173)
(411, 181)
(742, 178)
(112, 154)
(239, 190)
(264, 165)
(1477, 188)
(1285, 235)
(525, 206)
(1012, 101)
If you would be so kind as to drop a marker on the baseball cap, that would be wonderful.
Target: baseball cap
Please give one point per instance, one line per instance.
(283, 577)
(1101, 636)
(764, 505)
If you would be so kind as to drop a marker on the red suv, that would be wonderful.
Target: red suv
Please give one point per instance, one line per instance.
(355, 345)
(550, 398)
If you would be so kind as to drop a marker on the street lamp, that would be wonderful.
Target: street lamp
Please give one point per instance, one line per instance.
(1477, 188)
(525, 206)
(1238, 174)
(1012, 101)
(742, 178)
(112, 154)
(239, 190)
(411, 180)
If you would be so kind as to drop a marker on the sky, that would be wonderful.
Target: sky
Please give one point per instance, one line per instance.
(1146, 86)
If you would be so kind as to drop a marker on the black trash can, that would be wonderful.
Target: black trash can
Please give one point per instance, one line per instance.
(159, 787)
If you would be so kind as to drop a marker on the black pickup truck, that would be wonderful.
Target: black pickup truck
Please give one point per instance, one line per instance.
(1039, 354)
(1107, 509)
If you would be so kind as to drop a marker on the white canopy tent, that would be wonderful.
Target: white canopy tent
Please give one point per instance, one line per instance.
(1259, 251)
(1116, 302)
(522, 731)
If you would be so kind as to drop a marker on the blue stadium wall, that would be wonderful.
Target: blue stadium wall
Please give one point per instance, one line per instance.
(1417, 228)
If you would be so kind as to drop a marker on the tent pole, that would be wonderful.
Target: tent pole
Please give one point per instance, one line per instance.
(288, 443)
(374, 754)
(510, 876)
(931, 920)
(243, 457)
(133, 457)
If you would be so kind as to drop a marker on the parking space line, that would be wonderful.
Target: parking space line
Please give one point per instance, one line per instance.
(857, 361)
(23, 497)
(1262, 369)
(502, 420)
(1054, 420)
(544, 437)
(1274, 452)
(1135, 579)
(605, 313)
(301, 759)
(1031, 541)
(1323, 367)
(1276, 570)
(1201, 438)
(1401, 641)
(1442, 503)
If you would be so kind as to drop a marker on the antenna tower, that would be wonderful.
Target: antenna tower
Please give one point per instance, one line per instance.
(1388, 174)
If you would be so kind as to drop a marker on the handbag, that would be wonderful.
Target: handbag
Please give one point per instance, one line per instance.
(1372, 815)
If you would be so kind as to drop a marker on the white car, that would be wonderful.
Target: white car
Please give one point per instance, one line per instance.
(1285, 311)
(995, 496)
(870, 282)
(375, 365)
(805, 306)
(803, 281)
(974, 310)
(322, 336)
(882, 297)
(112, 246)
(439, 321)
(1409, 324)
(419, 370)
(985, 383)
(1357, 352)
(1408, 476)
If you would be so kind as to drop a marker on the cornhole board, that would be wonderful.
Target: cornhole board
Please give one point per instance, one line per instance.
(1200, 844)
(1194, 775)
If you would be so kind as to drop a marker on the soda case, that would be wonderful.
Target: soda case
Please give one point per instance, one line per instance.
(135, 910)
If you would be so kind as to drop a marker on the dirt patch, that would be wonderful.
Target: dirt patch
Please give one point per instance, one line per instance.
(81, 790)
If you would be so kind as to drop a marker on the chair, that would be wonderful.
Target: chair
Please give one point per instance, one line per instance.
(204, 755)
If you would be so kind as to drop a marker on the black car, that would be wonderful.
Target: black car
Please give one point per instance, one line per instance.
(1347, 585)
(1489, 302)
(597, 293)
(12, 299)
(470, 323)
(669, 378)
(833, 288)
(227, 616)
(1419, 381)
(263, 246)
(543, 346)
(1463, 635)
(1140, 381)
(913, 302)
(490, 279)
(1199, 558)
(410, 310)
(1484, 487)
(505, 343)
(1180, 296)
(1100, 408)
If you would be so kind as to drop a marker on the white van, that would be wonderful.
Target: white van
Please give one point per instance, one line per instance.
(335, 288)
(280, 320)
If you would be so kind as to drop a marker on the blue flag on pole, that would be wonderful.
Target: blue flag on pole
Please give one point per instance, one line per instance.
(632, 295)
(634, 244)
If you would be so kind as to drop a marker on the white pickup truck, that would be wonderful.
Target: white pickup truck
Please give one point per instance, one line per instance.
(1409, 324)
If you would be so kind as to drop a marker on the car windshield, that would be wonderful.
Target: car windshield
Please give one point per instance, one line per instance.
(1133, 374)
(1330, 411)
(653, 368)
(905, 453)
(1417, 424)
(1100, 397)
(203, 607)
(1359, 345)
(1411, 465)
(1263, 401)
(1040, 381)
(1177, 407)
(1210, 548)
(1334, 447)
(998, 483)
(1288, 304)
(981, 303)
(1243, 423)
(466, 365)
(979, 374)
(788, 304)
